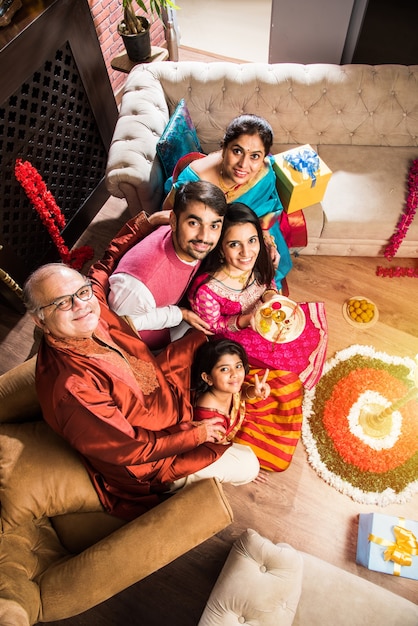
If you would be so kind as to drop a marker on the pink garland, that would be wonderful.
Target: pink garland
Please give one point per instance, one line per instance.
(401, 230)
(51, 216)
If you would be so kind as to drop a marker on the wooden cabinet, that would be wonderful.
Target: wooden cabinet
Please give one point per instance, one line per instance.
(58, 111)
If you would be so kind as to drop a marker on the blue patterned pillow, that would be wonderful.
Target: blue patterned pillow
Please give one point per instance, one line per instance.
(179, 138)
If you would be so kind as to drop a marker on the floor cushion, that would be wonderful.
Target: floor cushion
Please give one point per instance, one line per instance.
(260, 584)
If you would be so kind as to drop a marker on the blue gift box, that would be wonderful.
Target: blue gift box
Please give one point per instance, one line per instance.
(385, 542)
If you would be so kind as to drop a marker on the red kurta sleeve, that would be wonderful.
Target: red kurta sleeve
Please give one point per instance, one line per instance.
(93, 424)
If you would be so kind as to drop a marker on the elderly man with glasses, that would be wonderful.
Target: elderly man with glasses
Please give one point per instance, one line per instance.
(126, 411)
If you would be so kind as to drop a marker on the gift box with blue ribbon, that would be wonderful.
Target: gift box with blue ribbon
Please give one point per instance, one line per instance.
(388, 544)
(302, 177)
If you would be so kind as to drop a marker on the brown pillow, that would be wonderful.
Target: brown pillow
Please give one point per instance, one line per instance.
(40, 475)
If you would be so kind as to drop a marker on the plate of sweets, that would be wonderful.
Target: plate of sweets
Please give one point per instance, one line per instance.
(280, 320)
(360, 312)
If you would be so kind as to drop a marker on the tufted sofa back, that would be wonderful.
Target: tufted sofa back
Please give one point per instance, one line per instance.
(320, 104)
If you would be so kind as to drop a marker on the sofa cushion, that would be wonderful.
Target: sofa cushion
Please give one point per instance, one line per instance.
(78, 531)
(332, 595)
(178, 139)
(40, 475)
(18, 399)
(375, 175)
(12, 614)
(260, 584)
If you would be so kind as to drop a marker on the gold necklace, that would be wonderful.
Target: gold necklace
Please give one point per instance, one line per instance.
(223, 186)
(241, 279)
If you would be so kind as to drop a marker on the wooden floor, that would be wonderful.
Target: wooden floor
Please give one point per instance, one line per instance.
(295, 506)
(248, 39)
(191, 54)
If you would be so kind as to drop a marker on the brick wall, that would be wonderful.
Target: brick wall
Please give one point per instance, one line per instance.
(106, 16)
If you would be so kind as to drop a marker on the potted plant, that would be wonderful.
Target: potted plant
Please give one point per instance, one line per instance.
(135, 29)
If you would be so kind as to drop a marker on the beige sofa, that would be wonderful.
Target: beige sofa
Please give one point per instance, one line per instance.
(57, 545)
(362, 120)
(267, 584)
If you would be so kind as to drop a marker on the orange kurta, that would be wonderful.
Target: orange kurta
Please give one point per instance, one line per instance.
(127, 412)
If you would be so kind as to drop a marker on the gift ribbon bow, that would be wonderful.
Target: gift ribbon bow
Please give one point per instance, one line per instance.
(305, 161)
(401, 550)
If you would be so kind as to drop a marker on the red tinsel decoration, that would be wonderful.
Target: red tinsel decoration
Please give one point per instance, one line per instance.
(402, 227)
(49, 212)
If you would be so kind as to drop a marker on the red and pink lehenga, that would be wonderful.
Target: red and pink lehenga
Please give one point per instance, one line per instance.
(272, 426)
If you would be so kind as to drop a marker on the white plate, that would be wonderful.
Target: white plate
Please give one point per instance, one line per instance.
(280, 320)
(360, 325)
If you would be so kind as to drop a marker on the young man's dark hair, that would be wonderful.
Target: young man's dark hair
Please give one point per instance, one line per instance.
(200, 191)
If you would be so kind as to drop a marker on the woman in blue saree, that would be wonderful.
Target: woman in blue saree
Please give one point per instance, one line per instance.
(243, 170)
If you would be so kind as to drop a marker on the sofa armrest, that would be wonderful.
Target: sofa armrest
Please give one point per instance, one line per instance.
(133, 171)
(134, 551)
(12, 613)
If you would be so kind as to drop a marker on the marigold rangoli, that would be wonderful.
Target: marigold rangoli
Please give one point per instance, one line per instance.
(360, 427)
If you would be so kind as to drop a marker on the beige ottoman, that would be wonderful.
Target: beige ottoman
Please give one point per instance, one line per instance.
(260, 584)
(267, 584)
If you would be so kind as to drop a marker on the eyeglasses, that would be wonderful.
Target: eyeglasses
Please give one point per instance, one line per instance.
(65, 303)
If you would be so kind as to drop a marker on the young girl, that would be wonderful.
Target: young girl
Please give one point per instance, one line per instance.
(218, 374)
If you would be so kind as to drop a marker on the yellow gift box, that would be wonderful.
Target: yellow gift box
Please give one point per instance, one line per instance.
(299, 189)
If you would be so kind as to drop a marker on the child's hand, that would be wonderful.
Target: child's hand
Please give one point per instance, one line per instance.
(261, 387)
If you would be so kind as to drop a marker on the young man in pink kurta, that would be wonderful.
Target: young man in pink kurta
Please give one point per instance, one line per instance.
(152, 277)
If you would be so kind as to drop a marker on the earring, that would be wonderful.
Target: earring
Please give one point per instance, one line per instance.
(205, 378)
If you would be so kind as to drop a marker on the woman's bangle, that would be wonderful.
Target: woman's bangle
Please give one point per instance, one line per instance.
(234, 325)
(273, 291)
